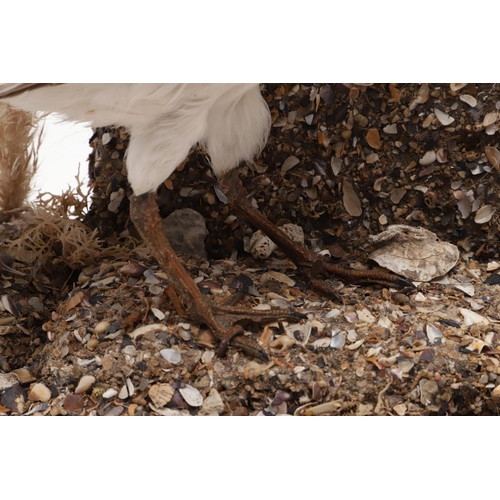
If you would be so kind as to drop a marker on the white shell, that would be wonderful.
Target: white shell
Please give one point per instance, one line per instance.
(433, 333)
(213, 405)
(473, 318)
(444, 118)
(171, 356)
(142, 330)
(428, 158)
(470, 100)
(86, 382)
(289, 163)
(484, 214)
(338, 339)
(110, 393)
(158, 314)
(191, 395)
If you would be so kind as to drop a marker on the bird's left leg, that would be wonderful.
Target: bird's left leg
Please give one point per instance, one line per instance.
(146, 218)
(308, 262)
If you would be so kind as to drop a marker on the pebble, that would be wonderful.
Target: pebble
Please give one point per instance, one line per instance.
(101, 327)
(40, 392)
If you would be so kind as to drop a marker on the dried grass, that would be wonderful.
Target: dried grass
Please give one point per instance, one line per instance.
(19, 145)
(49, 230)
(53, 233)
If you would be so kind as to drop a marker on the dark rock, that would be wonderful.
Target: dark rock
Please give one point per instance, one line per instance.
(186, 231)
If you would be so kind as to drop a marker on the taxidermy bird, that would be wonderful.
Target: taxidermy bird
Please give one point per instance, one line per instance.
(232, 122)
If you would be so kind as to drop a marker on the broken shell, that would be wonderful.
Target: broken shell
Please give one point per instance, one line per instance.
(444, 118)
(158, 314)
(299, 332)
(473, 318)
(470, 100)
(428, 158)
(354, 346)
(289, 163)
(133, 269)
(213, 404)
(143, 330)
(493, 156)
(434, 334)
(351, 200)
(253, 369)
(161, 394)
(365, 315)
(284, 342)
(493, 266)
(490, 118)
(123, 394)
(8, 380)
(277, 276)
(428, 388)
(338, 339)
(86, 382)
(477, 345)
(455, 87)
(495, 393)
(130, 387)
(484, 214)
(171, 356)
(40, 392)
(191, 395)
(391, 129)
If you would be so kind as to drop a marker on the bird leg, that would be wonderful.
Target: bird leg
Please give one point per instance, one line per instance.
(146, 218)
(308, 262)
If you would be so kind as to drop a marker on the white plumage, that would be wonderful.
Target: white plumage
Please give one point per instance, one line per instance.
(165, 120)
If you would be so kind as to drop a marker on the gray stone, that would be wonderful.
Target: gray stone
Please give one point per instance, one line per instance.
(186, 231)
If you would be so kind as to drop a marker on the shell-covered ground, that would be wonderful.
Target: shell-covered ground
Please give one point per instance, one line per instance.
(87, 326)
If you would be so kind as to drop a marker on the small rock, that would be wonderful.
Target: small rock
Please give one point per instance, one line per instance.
(40, 392)
(186, 231)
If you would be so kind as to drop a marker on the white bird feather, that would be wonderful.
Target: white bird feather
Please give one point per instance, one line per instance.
(165, 120)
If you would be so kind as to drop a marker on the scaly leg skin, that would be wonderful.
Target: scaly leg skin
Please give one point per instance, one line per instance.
(307, 261)
(146, 218)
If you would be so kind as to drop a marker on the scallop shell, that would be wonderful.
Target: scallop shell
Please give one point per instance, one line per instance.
(161, 394)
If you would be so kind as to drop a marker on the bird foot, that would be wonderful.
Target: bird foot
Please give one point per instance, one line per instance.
(310, 264)
(221, 319)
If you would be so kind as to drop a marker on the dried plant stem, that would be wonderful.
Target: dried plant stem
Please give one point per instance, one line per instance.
(19, 145)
